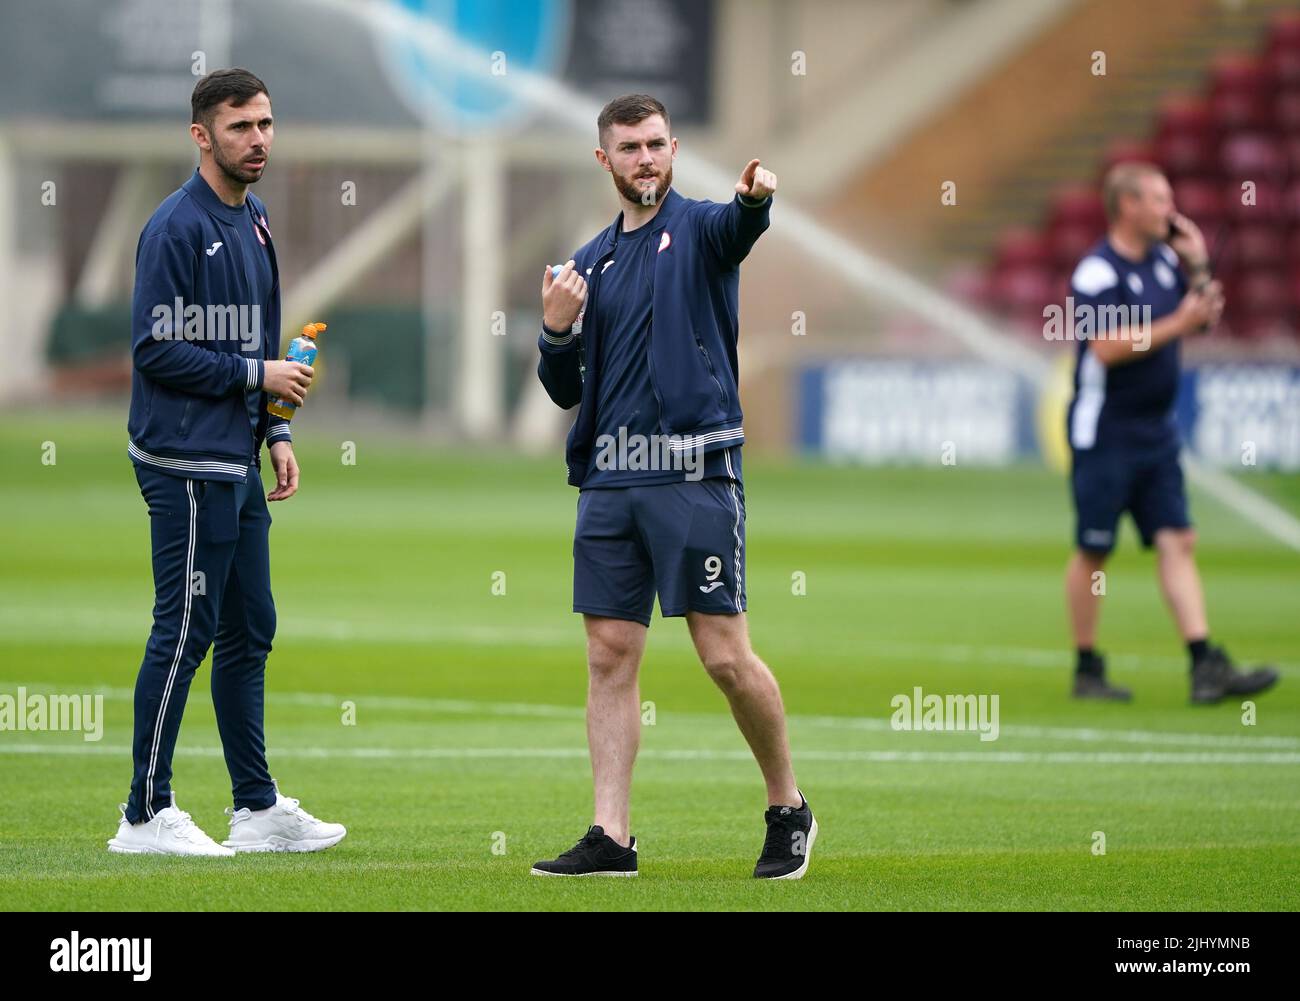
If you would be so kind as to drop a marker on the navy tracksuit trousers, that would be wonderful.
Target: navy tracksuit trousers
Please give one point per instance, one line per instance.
(212, 582)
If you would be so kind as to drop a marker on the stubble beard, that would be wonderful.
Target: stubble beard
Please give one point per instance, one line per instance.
(628, 188)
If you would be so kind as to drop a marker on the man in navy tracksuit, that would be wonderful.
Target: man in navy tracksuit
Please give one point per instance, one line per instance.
(640, 331)
(205, 346)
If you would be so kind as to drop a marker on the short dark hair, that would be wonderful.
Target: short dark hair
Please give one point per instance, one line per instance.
(627, 110)
(235, 85)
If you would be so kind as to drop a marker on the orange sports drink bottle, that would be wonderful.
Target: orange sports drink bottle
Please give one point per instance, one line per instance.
(301, 349)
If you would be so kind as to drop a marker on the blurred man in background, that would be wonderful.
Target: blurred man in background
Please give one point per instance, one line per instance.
(651, 358)
(1141, 289)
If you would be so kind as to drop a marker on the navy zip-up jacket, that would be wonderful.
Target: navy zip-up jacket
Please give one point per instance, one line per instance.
(189, 410)
(694, 326)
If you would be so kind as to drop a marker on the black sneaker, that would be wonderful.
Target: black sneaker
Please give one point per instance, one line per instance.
(787, 851)
(1214, 676)
(597, 854)
(1092, 684)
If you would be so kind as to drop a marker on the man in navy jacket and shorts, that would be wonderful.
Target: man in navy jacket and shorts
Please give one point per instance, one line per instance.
(640, 329)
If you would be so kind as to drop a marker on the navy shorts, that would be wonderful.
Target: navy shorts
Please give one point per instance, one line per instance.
(685, 541)
(1107, 482)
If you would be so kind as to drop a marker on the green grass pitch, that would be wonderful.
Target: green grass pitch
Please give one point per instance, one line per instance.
(467, 759)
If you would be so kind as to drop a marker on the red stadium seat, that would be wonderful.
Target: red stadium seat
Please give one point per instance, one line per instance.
(1077, 206)
(1293, 250)
(1263, 304)
(1284, 68)
(1240, 73)
(1070, 242)
(1127, 151)
(1252, 156)
(1022, 247)
(1023, 290)
(1286, 110)
(1256, 246)
(1239, 111)
(1185, 114)
(1291, 205)
(1265, 206)
(1200, 201)
(1060, 286)
(1284, 32)
(1258, 326)
(1188, 154)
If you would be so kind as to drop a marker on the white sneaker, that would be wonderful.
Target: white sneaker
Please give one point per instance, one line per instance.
(171, 832)
(285, 827)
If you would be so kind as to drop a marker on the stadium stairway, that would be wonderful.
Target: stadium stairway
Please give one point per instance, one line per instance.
(1177, 64)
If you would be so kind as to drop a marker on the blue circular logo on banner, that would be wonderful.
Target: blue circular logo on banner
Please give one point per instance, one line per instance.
(470, 88)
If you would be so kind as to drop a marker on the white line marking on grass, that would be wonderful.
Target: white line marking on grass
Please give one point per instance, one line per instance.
(907, 757)
(91, 626)
(329, 700)
(1080, 734)
(88, 626)
(1250, 504)
(470, 707)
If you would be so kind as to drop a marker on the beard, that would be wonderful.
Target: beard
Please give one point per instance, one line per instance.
(237, 171)
(629, 189)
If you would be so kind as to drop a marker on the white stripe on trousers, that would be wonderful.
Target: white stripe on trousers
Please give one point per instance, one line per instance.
(726, 456)
(180, 647)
